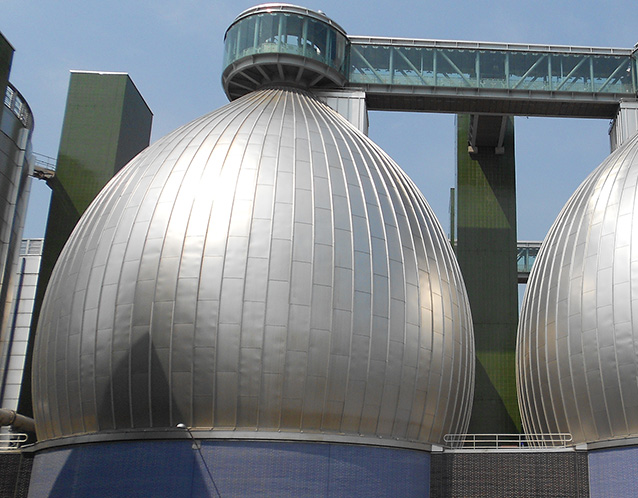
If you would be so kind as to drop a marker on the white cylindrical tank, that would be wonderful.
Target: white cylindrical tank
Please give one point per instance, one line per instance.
(577, 365)
(263, 269)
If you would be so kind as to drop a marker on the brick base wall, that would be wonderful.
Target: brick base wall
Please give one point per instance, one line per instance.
(15, 473)
(492, 475)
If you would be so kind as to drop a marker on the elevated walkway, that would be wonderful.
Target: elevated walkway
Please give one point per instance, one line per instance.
(525, 257)
(275, 43)
(44, 168)
(492, 78)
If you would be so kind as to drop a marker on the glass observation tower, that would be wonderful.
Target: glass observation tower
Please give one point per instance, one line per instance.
(264, 43)
(486, 85)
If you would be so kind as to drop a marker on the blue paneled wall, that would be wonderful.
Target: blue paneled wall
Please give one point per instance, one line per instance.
(613, 473)
(229, 468)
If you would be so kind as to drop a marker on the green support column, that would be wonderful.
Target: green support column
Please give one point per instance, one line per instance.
(106, 124)
(486, 251)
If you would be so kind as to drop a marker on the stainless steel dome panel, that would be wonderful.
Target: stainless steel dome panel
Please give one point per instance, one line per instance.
(263, 268)
(578, 334)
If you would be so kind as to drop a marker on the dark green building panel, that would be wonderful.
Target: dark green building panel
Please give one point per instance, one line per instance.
(486, 251)
(106, 123)
(6, 57)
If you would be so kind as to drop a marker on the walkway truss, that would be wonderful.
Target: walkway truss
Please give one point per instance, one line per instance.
(456, 76)
(525, 256)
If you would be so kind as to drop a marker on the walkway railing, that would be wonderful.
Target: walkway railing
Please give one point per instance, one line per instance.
(12, 441)
(44, 166)
(509, 441)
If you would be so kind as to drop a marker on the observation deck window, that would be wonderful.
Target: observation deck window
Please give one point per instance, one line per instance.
(282, 32)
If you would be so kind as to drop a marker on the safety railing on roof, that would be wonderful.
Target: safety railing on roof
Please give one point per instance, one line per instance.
(507, 441)
(12, 441)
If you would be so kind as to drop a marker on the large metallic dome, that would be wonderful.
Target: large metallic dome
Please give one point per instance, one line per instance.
(578, 333)
(263, 269)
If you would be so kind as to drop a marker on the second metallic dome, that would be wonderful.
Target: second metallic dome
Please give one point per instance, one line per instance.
(578, 333)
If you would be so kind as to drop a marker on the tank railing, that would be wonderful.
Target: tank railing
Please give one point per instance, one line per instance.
(507, 441)
(12, 441)
(16, 103)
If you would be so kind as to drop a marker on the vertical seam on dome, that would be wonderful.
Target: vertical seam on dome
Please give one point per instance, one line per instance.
(278, 101)
(605, 179)
(312, 116)
(625, 166)
(249, 104)
(302, 112)
(241, 116)
(236, 116)
(368, 159)
(382, 164)
(329, 114)
(334, 127)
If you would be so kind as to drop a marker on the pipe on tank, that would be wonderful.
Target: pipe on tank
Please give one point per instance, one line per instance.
(15, 420)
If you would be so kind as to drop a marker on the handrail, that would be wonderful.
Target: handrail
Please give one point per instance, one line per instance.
(509, 441)
(11, 441)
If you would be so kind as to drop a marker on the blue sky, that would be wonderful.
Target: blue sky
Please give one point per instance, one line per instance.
(173, 52)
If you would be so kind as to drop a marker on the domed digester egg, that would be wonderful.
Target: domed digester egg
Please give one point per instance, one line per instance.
(578, 332)
(265, 268)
